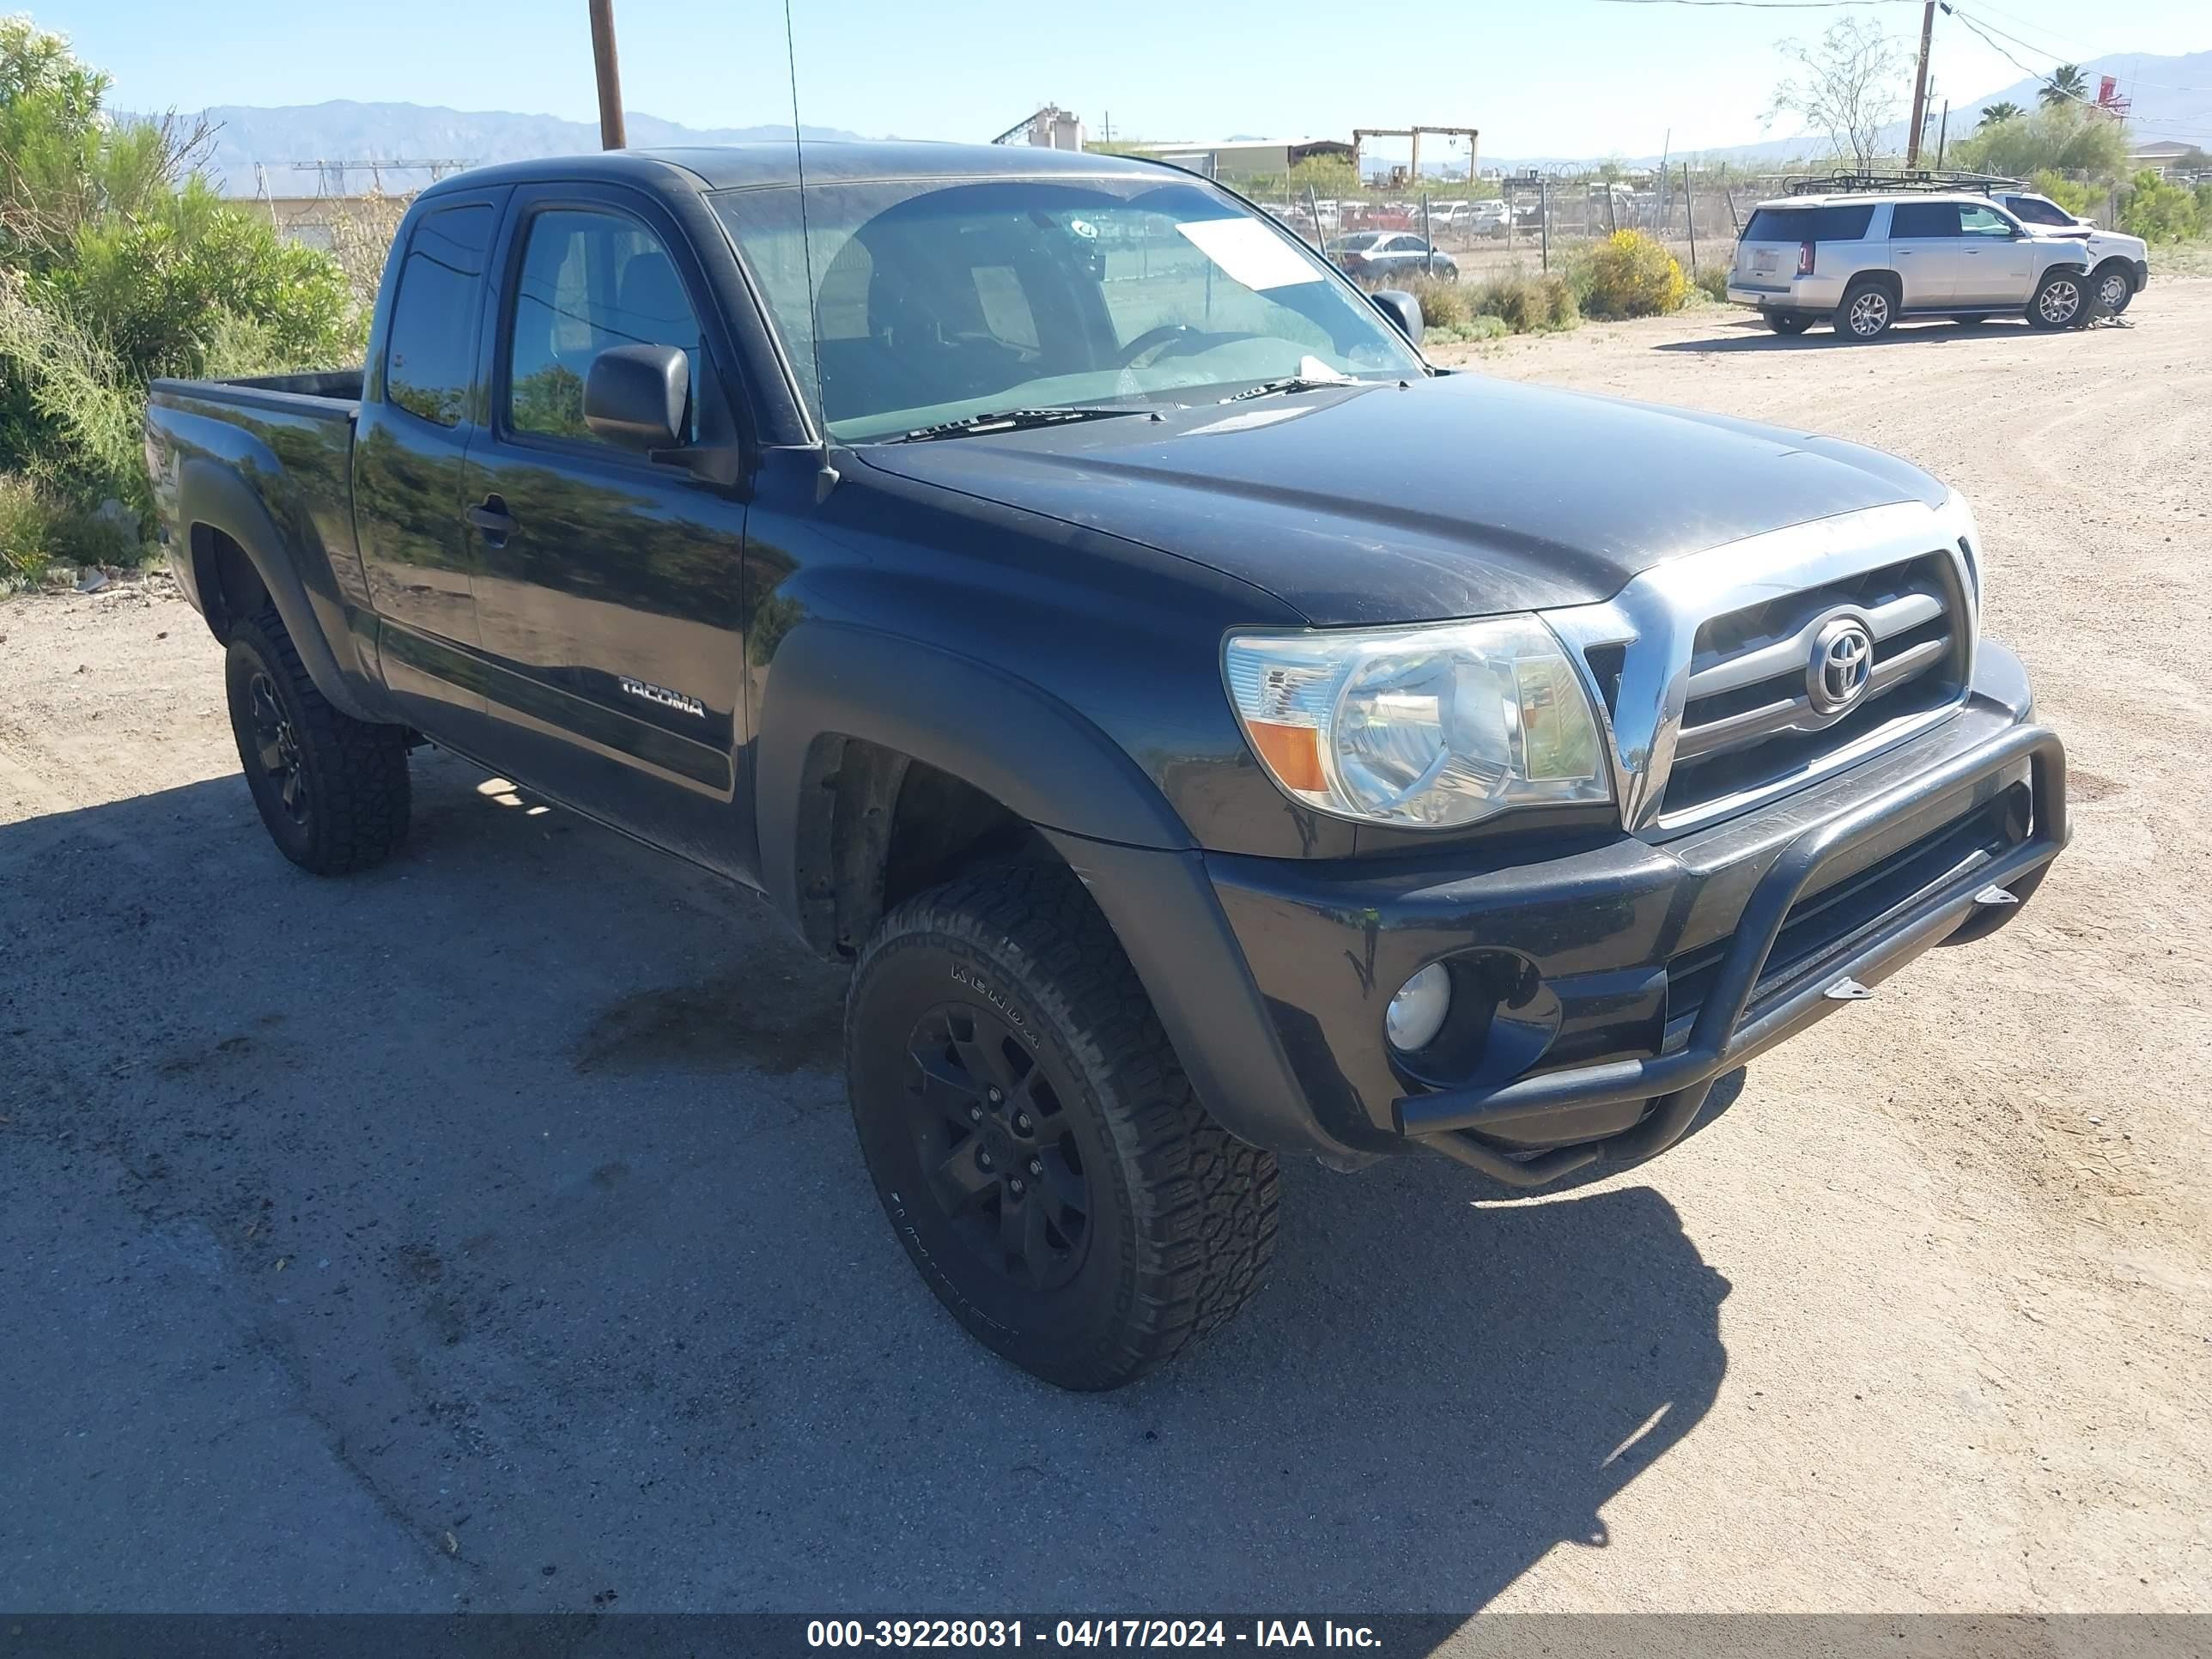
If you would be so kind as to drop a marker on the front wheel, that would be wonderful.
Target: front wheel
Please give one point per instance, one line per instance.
(1034, 1139)
(2061, 301)
(2115, 288)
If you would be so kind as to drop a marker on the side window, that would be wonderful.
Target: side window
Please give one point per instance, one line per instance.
(1915, 219)
(589, 281)
(1975, 220)
(428, 359)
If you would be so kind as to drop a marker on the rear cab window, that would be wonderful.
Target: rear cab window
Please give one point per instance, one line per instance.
(429, 344)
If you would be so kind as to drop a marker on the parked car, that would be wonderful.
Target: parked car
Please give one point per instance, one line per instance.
(1391, 253)
(1864, 260)
(1206, 732)
(2119, 264)
(1487, 218)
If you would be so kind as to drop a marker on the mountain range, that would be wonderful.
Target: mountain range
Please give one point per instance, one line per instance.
(2172, 96)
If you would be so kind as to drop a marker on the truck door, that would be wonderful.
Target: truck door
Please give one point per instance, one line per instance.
(419, 414)
(1924, 251)
(1997, 263)
(609, 595)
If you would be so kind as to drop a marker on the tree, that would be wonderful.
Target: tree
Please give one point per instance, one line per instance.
(2067, 85)
(2003, 110)
(2061, 137)
(1845, 84)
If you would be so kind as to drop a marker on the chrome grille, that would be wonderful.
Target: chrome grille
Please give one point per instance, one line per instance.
(1747, 712)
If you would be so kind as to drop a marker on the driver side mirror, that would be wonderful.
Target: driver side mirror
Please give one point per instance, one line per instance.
(636, 396)
(1403, 310)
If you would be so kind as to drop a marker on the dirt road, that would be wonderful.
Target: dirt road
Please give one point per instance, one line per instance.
(488, 1231)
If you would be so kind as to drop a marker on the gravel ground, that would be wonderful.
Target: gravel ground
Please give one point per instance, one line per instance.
(487, 1231)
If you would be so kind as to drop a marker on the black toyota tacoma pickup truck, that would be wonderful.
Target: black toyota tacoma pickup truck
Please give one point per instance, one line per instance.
(1208, 731)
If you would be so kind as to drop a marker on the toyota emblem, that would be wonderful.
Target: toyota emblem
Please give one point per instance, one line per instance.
(1841, 665)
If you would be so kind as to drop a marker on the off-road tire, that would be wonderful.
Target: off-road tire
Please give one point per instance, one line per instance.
(1180, 1223)
(1788, 322)
(1868, 310)
(2049, 310)
(350, 809)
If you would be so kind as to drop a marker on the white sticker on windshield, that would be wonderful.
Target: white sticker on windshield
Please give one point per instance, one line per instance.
(1255, 254)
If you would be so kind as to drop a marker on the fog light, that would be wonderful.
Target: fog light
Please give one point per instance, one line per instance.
(1416, 1013)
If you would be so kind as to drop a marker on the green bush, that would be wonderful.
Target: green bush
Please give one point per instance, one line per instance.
(117, 265)
(1711, 281)
(1526, 303)
(2074, 197)
(2161, 212)
(1629, 275)
(37, 527)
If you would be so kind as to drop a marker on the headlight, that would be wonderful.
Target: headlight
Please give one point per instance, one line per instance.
(1434, 726)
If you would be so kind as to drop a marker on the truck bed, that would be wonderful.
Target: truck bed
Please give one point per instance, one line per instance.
(338, 389)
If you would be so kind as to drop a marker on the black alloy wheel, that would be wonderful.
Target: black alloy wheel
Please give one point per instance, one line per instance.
(1004, 1164)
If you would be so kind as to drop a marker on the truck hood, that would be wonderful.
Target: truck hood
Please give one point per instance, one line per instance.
(1454, 496)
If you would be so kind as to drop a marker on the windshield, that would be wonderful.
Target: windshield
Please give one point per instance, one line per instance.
(940, 300)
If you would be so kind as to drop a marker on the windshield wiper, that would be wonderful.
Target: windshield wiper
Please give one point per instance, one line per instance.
(1291, 383)
(1013, 420)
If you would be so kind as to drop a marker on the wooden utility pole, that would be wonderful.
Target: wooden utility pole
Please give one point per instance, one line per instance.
(609, 75)
(1920, 87)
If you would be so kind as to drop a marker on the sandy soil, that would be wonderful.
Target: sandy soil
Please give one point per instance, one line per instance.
(487, 1232)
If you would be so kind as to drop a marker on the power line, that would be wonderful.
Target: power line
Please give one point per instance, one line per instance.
(2043, 76)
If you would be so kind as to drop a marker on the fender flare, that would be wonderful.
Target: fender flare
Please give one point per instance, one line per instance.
(1019, 745)
(212, 495)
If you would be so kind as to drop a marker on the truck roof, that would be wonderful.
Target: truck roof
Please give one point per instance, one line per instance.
(734, 166)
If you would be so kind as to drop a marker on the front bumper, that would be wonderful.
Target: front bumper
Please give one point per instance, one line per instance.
(1600, 986)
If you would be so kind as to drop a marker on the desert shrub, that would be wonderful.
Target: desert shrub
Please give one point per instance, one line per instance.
(1711, 281)
(2161, 212)
(39, 527)
(1629, 275)
(1444, 304)
(1526, 302)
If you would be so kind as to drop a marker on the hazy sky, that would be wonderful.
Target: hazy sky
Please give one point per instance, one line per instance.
(1538, 76)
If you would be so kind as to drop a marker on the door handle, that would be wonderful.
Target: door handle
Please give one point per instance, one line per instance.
(493, 520)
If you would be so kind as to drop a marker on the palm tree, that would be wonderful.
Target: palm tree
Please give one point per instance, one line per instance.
(2067, 85)
(2002, 110)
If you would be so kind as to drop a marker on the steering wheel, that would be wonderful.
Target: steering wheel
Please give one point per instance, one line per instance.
(1158, 341)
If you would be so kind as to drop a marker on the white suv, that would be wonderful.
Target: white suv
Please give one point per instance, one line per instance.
(1866, 258)
(2119, 264)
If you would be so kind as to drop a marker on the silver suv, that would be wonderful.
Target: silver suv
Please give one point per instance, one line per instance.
(1862, 260)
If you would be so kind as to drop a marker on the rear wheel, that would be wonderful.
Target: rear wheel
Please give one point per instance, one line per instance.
(1788, 322)
(2061, 301)
(1033, 1137)
(332, 791)
(1866, 313)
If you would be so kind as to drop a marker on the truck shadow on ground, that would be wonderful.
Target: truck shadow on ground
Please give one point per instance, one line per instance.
(574, 1286)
